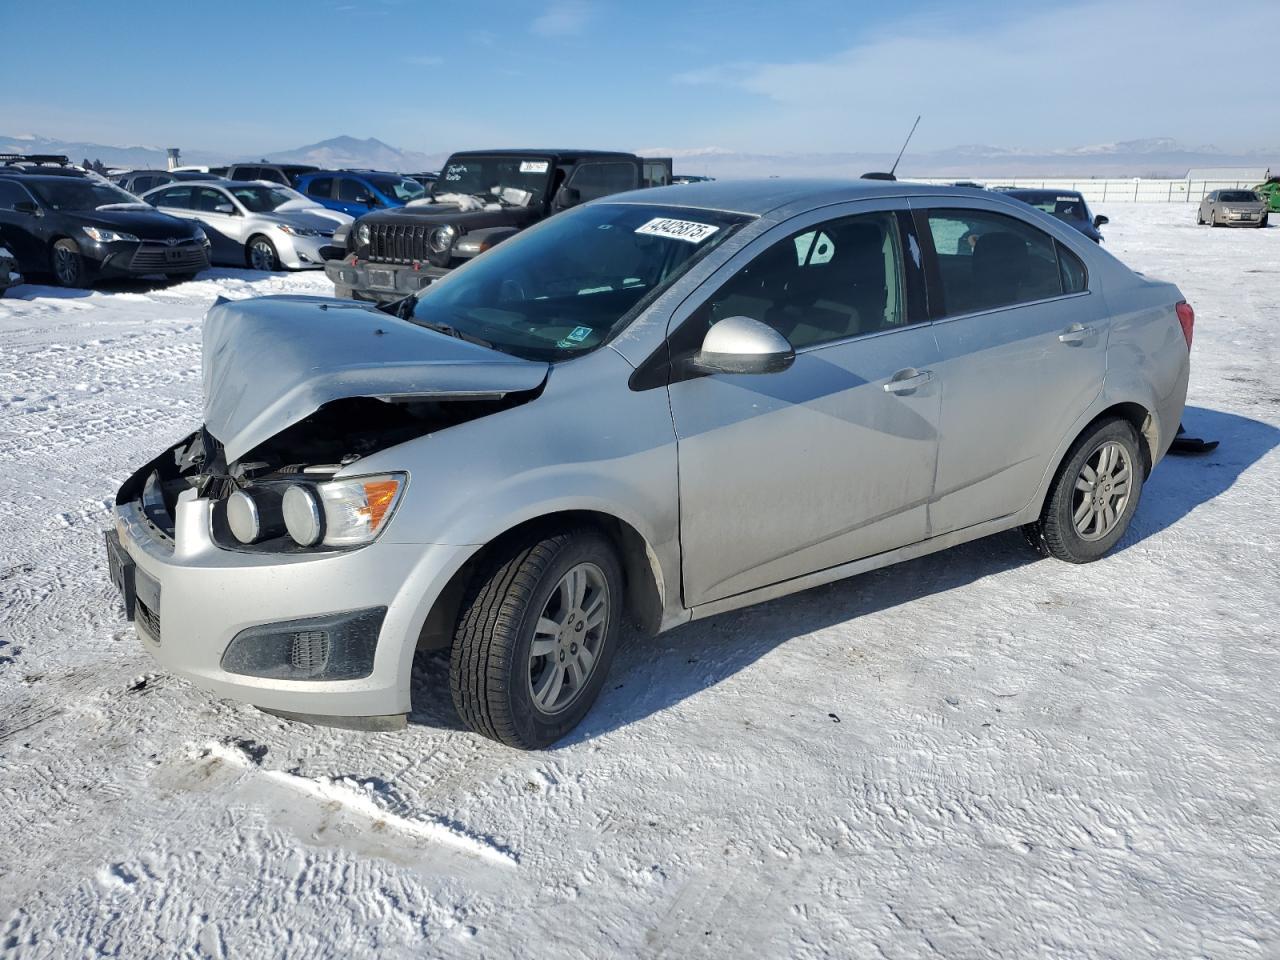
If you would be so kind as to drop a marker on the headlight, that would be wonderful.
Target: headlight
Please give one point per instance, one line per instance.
(201, 235)
(108, 236)
(362, 234)
(441, 238)
(297, 231)
(341, 513)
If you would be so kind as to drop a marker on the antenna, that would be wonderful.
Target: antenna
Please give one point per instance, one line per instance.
(894, 168)
(889, 175)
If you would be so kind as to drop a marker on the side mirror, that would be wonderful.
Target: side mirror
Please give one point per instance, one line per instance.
(28, 207)
(743, 345)
(224, 208)
(369, 201)
(568, 197)
(1100, 220)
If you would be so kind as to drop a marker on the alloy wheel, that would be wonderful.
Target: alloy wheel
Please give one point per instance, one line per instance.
(568, 637)
(66, 265)
(261, 256)
(1102, 491)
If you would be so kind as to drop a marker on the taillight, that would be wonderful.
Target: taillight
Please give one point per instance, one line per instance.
(1186, 317)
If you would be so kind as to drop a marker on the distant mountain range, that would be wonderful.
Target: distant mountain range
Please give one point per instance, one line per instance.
(1157, 157)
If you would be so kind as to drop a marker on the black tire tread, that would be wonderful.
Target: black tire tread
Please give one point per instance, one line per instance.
(487, 633)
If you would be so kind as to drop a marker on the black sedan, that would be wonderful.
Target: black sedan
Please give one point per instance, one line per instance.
(80, 229)
(1067, 205)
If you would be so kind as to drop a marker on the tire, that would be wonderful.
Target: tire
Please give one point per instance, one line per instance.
(68, 264)
(493, 672)
(1199, 218)
(1056, 534)
(1213, 218)
(260, 254)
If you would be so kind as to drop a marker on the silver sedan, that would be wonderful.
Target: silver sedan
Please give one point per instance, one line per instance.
(262, 225)
(1233, 208)
(661, 406)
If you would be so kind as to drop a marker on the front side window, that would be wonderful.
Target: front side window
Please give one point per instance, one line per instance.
(262, 199)
(212, 201)
(844, 278)
(988, 260)
(595, 180)
(566, 286)
(401, 188)
(353, 191)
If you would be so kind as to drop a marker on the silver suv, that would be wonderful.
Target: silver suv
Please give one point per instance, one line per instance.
(662, 405)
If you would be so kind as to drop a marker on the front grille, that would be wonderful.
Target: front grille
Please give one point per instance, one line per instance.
(188, 256)
(398, 243)
(148, 619)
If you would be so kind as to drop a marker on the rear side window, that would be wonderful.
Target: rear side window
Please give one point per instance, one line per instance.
(11, 193)
(320, 187)
(247, 173)
(593, 180)
(987, 260)
(843, 278)
(1074, 278)
(176, 197)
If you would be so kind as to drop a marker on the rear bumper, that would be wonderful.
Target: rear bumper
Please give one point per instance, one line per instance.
(383, 282)
(189, 598)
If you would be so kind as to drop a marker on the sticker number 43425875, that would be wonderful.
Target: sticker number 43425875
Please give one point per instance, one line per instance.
(687, 230)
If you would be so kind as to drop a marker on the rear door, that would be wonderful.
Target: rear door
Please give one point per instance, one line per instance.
(1022, 341)
(600, 178)
(353, 197)
(832, 459)
(320, 189)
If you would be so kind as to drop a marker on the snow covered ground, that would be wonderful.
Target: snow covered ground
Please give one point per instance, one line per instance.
(977, 754)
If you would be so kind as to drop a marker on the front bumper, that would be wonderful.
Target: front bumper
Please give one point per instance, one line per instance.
(304, 253)
(189, 598)
(1250, 219)
(140, 258)
(382, 282)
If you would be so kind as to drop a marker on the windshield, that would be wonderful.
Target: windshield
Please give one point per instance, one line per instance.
(72, 194)
(262, 199)
(1064, 206)
(402, 188)
(564, 287)
(485, 177)
(1238, 196)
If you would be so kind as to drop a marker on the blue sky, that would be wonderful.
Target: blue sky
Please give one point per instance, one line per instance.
(796, 77)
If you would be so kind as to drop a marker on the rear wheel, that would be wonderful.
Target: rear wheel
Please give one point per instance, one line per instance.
(68, 264)
(261, 254)
(1093, 497)
(535, 637)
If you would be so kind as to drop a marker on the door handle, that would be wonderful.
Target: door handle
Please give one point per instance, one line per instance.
(908, 381)
(1076, 333)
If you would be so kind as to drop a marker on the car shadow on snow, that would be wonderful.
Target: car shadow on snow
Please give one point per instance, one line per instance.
(651, 674)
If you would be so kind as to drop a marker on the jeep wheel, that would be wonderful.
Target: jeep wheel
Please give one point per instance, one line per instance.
(1093, 497)
(535, 638)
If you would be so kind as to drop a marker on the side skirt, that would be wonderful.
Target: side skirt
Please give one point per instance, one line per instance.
(855, 567)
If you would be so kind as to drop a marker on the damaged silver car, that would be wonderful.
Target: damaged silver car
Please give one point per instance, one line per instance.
(659, 406)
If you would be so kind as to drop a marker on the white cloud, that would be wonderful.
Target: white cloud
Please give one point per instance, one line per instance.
(563, 18)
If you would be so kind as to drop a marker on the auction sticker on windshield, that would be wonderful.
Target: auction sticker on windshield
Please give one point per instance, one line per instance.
(686, 230)
(534, 166)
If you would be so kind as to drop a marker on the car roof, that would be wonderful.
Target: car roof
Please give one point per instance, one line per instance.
(557, 152)
(780, 195)
(1039, 192)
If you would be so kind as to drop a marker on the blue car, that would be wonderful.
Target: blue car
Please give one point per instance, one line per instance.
(358, 191)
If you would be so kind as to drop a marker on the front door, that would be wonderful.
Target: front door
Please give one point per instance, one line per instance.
(19, 229)
(1023, 354)
(831, 460)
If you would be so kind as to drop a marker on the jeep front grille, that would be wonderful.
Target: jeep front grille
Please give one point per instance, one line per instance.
(398, 243)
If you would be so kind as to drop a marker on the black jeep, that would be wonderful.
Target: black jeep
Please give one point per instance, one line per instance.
(481, 198)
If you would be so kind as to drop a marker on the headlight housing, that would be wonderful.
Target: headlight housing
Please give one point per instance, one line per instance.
(102, 235)
(362, 234)
(440, 239)
(297, 231)
(341, 513)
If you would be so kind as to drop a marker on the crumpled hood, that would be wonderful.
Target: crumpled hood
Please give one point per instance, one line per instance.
(273, 361)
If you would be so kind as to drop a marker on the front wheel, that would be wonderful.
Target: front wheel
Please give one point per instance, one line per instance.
(535, 637)
(1093, 497)
(68, 264)
(261, 254)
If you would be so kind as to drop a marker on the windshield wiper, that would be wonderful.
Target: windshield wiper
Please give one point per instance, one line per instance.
(450, 331)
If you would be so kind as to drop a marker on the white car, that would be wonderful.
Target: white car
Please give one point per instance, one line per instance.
(254, 223)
